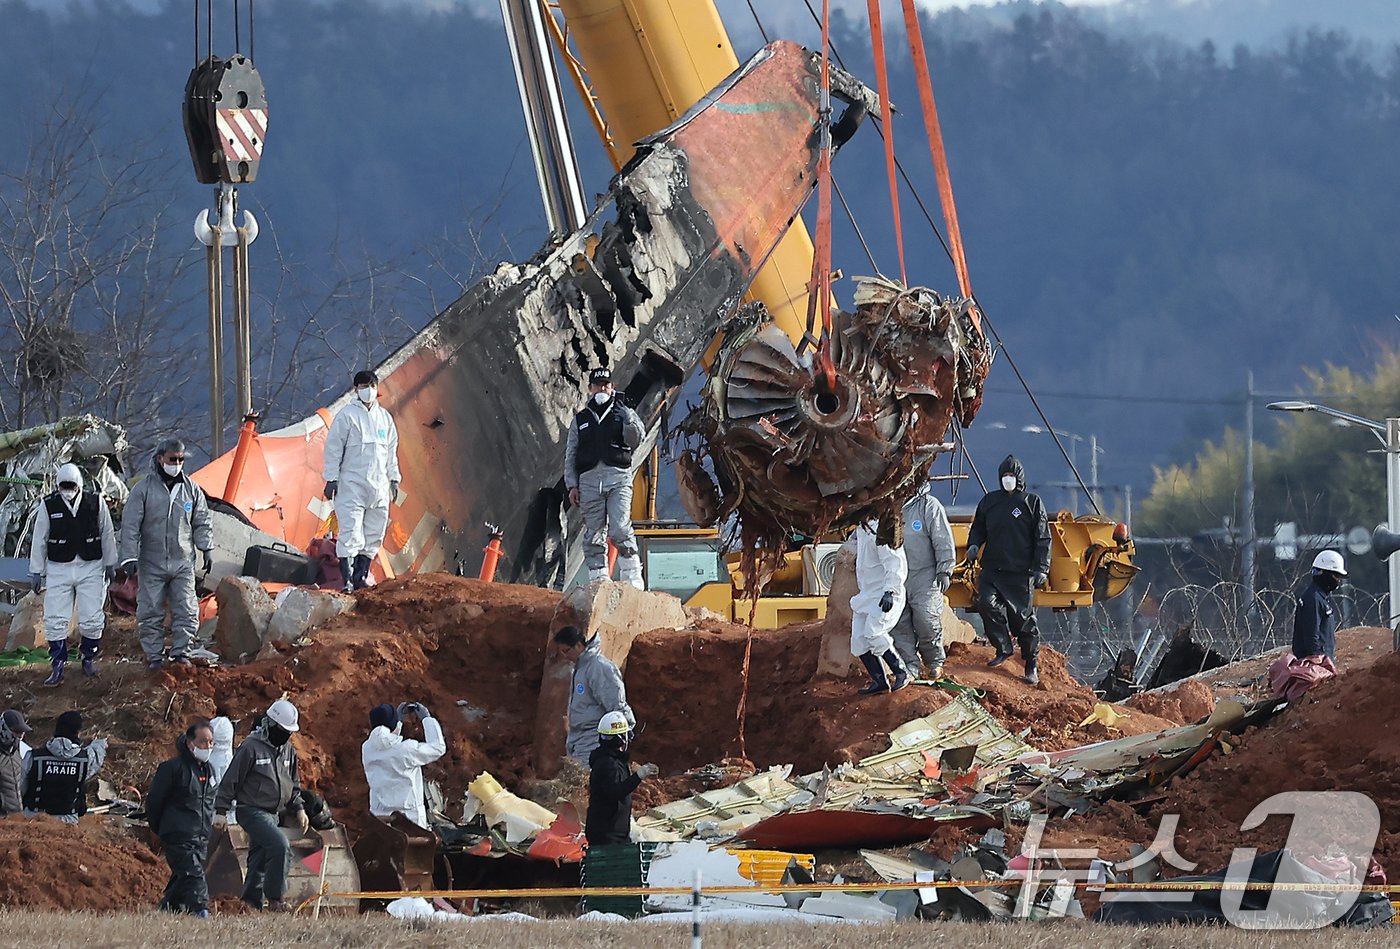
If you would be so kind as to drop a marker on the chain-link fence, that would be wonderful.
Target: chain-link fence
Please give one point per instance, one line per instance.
(1220, 617)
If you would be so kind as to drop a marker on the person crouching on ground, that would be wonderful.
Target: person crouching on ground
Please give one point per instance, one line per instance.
(59, 772)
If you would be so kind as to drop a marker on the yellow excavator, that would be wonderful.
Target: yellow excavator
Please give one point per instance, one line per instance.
(639, 65)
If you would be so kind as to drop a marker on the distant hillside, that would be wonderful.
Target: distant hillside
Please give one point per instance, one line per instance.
(1145, 219)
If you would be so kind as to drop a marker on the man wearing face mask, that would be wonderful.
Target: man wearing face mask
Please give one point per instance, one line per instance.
(931, 555)
(165, 525)
(1314, 620)
(263, 778)
(1013, 534)
(394, 764)
(361, 469)
(72, 556)
(598, 474)
(180, 811)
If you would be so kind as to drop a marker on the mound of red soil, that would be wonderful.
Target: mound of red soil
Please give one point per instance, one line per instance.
(686, 687)
(1340, 737)
(1190, 701)
(93, 865)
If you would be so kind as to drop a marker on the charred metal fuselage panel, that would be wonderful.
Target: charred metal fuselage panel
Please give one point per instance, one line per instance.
(484, 395)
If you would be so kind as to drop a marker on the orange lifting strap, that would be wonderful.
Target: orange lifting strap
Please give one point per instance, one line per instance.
(935, 141)
(877, 42)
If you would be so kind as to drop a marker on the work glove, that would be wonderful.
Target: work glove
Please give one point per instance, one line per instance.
(220, 820)
(414, 708)
(887, 601)
(329, 493)
(647, 770)
(109, 573)
(972, 550)
(393, 492)
(36, 582)
(942, 581)
(208, 560)
(1038, 581)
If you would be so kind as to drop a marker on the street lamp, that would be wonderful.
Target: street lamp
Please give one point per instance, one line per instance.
(1388, 433)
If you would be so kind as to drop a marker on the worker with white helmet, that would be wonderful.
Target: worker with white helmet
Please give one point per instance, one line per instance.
(611, 782)
(73, 557)
(361, 469)
(263, 779)
(880, 574)
(394, 764)
(1314, 620)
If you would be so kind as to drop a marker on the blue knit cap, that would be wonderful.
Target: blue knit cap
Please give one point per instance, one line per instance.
(385, 715)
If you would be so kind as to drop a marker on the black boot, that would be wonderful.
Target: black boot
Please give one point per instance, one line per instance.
(1032, 673)
(360, 576)
(879, 685)
(901, 675)
(58, 655)
(346, 581)
(87, 648)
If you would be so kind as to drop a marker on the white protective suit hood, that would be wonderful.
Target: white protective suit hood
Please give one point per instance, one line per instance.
(70, 472)
(394, 769)
(223, 746)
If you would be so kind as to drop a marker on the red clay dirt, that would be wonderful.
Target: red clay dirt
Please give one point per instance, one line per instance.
(686, 687)
(94, 865)
(439, 639)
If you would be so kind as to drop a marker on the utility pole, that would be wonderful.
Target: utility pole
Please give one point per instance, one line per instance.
(1094, 472)
(1247, 553)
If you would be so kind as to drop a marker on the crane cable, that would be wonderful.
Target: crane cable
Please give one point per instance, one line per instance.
(882, 81)
(819, 289)
(980, 312)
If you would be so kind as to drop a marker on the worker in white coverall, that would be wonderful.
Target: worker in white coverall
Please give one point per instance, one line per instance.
(598, 474)
(361, 469)
(930, 554)
(394, 764)
(880, 574)
(165, 525)
(72, 556)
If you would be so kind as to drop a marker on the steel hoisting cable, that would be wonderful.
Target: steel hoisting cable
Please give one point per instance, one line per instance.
(821, 261)
(252, 36)
(935, 142)
(237, 28)
(882, 80)
(850, 215)
(208, 28)
(762, 32)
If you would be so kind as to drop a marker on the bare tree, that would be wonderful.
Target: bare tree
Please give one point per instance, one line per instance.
(91, 298)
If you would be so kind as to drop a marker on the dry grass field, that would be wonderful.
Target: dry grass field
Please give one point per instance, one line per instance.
(380, 932)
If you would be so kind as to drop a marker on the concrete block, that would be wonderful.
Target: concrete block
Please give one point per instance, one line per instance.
(245, 610)
(616, 612)
(300, 610)
(835, 658)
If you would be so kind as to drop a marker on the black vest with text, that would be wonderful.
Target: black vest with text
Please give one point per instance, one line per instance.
(600, 440)
(73, 536)
(56, 784)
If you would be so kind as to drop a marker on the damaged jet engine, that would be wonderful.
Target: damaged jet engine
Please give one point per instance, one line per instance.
(793, 456)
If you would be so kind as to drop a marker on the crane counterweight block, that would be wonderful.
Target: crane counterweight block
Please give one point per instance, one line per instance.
(225, 116)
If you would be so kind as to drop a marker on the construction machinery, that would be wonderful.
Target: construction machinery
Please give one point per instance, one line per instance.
(691, 226)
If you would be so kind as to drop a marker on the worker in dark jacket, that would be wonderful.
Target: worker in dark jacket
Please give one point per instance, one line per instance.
(598, 474)
(180, 810)
(1011, 531)
(611, 783)
(13, 728)
(1314, 621)
(58, 772)
(263, 779)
